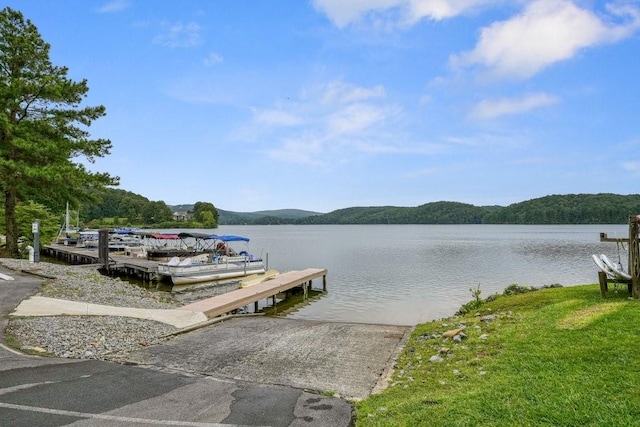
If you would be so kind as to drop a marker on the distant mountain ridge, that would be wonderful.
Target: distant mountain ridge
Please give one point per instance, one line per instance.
(279, 216)
(602, 208)
(268, 216)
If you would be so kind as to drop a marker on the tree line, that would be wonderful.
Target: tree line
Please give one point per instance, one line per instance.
(555, 209)
(116, 208)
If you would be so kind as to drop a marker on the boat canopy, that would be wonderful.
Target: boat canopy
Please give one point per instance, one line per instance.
(221, 238)
(230, 238)
(155, 235)
(184, 235)
(124, 230)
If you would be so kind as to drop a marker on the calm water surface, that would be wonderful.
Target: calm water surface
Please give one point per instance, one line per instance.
(407, 274)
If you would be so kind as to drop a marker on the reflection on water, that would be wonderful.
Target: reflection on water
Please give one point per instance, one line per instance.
(407, 274)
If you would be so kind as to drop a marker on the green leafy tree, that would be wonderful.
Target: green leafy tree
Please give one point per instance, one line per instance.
(43, 125)
(156, 212)
(201, 212)
(208, 220)
(26, 214)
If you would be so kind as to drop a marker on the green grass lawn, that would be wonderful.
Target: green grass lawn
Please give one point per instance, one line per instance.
(553, 357)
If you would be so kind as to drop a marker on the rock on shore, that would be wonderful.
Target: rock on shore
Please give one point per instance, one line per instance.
(87, 337)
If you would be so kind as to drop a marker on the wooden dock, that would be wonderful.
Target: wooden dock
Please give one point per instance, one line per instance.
(147, 271)
(71, 254)
(119, 264)
(225, 303)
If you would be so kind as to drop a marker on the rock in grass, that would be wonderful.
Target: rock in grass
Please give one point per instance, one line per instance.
(452, 333)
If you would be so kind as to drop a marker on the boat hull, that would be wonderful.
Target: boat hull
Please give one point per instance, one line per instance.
(189, 274)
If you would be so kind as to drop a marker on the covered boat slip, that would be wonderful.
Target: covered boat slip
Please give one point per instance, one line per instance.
(215, 260)
(164, 246)
(225, 303)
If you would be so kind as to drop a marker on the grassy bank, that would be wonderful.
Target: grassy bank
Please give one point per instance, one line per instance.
(555, 357)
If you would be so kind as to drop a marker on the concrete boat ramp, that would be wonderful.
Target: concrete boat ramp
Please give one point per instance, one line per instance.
(349, 359)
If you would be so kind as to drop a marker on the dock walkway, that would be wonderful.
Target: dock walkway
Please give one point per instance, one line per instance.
(187, 316)
(227, 302)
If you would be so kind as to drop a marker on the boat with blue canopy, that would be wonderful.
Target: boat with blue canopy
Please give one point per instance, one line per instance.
(216, 259)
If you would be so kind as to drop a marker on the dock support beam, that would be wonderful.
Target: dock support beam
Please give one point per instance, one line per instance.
(634, 256)
(103, 247)
(633, 262)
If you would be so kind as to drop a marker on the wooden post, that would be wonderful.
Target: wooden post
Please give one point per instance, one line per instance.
(602, 278)
(103, 247)
(324, 283)
(634, 256)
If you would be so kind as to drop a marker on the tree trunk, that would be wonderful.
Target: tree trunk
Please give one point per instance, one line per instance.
(11, 201)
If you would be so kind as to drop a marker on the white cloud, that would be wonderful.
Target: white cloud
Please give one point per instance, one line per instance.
(490, 109)
(304, 149)
(114, 6)
(546, 32)
(330, 121)
(344, 93)
(277, 118)
(180, 35)
(402, 147)
(405, 12)
(633, 167)
(343, 13)
(441, 9)
(213, 59)
(430, 171)
(355, 118)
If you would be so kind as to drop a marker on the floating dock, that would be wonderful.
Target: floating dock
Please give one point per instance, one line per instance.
(230, 301)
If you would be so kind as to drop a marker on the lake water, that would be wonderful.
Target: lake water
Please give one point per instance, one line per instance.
(407, 274)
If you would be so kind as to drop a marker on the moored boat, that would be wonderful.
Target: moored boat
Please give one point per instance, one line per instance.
(221, 262)
(121, 239)
(88, 239)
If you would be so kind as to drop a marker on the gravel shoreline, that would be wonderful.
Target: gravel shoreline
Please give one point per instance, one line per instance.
(87, 337)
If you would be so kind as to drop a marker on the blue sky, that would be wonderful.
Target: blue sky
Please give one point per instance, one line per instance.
(327, 104)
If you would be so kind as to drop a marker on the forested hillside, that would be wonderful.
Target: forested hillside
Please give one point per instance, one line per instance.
(114, 207)
(556, 209)
(569, 209)
(430, 213)
(272, 217)
(125, 205)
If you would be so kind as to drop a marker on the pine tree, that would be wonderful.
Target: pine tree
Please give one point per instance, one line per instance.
(43, 125)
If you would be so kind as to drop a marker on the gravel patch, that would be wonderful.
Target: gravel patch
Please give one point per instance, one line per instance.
(87, 337)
